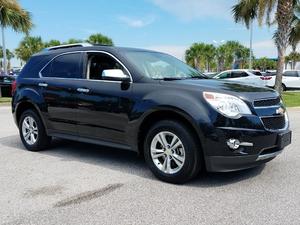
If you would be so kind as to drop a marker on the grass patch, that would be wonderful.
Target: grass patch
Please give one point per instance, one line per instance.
(5, 100)
(291, 99)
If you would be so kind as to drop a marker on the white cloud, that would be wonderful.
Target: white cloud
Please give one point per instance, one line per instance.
(177, 51)
(196, 9)
(267, 48)
(137, 22)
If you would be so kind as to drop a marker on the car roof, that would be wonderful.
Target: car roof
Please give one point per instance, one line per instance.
(91, 48)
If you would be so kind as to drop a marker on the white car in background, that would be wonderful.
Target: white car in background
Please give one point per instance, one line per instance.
(290, 80)
(253, 77)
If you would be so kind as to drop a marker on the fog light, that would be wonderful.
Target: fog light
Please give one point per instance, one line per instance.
(235, 144)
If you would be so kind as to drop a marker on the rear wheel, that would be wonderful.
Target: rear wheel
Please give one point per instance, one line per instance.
(32, 132)
(171, 152)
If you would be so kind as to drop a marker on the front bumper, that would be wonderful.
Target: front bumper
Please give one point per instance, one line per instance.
(266, 146)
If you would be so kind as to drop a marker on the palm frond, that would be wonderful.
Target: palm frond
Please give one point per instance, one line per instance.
(12, 15)
(245, 11)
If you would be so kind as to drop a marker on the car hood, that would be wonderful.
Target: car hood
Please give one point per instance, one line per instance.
(246, 92)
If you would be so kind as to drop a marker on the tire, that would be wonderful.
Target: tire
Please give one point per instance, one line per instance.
(283, 87)
(31, 123)
(188, 149)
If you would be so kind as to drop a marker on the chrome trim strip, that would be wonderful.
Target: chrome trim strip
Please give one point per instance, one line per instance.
(90, 51)
(246, 144)
(267, 156)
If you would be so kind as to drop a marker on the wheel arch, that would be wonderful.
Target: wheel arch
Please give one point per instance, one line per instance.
(167, 114)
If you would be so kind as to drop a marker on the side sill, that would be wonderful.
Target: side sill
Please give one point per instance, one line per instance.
(90, 140)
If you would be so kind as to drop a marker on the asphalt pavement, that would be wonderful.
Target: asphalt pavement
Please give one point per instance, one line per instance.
(76, 183)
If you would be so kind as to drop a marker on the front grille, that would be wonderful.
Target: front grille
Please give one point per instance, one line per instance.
(267, 102)
(274, 123)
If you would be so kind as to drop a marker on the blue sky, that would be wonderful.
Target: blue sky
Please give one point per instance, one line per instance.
(166, 25)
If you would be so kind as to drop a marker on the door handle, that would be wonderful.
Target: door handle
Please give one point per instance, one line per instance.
(43, 84)
(83, 90)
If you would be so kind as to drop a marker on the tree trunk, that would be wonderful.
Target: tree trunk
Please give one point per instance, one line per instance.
(280, 68)
(284, 17)
(196, 63)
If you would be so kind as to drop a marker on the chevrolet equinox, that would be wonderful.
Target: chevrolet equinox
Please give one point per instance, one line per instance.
(150, 103)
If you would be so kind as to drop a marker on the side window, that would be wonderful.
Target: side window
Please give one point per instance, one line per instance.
(236, 74)
(290, 74)
(244, 74)
(239, 74)
(98, 62)
(225, 75)
(64, 66)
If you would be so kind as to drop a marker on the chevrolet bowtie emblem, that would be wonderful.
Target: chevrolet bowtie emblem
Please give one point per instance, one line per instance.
(280, 111)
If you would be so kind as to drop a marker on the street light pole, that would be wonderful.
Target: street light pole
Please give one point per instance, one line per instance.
(4, 51)
(251, 45)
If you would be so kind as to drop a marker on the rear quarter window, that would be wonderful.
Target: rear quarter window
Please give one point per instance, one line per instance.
(64, 66)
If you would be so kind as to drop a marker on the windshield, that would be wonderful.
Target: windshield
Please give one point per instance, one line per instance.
(162, 66)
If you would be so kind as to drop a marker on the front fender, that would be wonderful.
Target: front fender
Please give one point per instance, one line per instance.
(185, 104)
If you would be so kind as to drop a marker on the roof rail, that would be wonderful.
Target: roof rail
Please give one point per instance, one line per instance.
(68, 46)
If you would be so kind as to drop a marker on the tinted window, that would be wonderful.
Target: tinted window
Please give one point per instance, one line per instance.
(225, 75)
(65, 66)
(238, 74)
(257, 73)
(290, 74)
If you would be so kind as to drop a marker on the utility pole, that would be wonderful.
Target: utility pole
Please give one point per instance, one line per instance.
(4, 51)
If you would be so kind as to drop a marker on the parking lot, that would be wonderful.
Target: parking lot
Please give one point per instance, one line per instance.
(74, 183)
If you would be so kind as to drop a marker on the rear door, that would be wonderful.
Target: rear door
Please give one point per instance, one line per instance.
(58, 82)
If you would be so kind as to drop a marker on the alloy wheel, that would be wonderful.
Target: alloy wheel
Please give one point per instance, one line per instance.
(30, 130)
(167, 152)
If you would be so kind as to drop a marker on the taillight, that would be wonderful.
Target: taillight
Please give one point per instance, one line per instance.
(13, 87)
(266, 78)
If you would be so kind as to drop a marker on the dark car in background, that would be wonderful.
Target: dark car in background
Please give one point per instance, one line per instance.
(6, 83)
(150, 103)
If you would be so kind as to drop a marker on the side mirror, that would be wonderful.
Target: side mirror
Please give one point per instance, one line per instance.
(115, 75)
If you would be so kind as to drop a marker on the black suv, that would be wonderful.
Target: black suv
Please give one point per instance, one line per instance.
(150, 103)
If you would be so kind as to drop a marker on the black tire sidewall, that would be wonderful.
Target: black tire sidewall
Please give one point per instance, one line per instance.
(192, 151)
(42, 138)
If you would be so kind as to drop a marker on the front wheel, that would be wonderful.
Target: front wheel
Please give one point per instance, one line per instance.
(172, 152)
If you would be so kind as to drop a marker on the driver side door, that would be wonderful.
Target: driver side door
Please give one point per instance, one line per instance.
(103, 106)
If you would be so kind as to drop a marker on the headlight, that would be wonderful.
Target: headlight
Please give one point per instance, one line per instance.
(227, 105)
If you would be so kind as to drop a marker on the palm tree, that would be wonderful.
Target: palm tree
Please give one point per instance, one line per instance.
(29, 46)
(9, 56)
(295, 33)
(100, 39)
(52, 43)
(195, 54)
(12, 15)
(209, 55)
(248, 10)
(264, 64)
(73, 41)
(292, 57)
